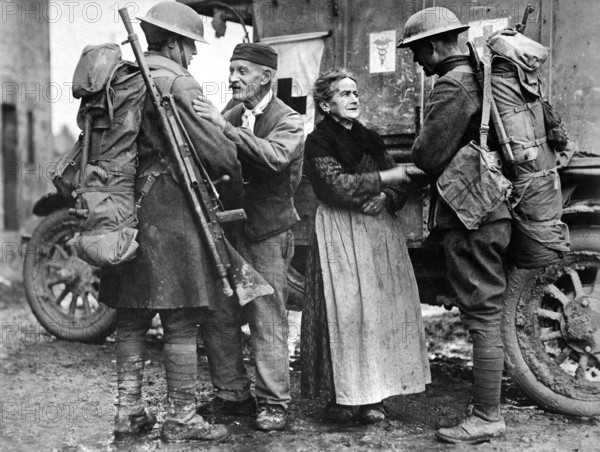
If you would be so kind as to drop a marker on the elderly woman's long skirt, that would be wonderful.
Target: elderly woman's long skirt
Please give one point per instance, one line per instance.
(376, 335)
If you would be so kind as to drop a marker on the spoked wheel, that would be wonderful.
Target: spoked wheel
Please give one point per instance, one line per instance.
(551, 329)
(61, 289)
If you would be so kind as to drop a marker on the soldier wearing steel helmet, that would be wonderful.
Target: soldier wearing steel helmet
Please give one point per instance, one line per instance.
(170, 275)
(475, 258)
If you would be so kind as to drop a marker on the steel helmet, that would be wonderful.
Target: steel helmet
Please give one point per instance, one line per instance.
(167, 18)
(430, 22)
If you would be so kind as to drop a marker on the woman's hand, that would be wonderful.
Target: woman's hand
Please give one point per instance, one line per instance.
(374, 205)
(206, 110)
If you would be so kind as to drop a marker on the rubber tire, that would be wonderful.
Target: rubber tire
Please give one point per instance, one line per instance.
(96, 328)
(582, 240)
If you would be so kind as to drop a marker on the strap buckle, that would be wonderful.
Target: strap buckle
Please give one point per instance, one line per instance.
(150, 180)
(483, 134)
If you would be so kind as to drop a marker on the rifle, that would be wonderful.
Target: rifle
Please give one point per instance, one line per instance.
(203, 197)
(521, 27)
(509, 157)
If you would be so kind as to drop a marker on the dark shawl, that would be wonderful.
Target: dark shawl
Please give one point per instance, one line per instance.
(342, 166)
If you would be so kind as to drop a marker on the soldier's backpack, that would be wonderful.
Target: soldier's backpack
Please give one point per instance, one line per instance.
(98, 175)
(534, 133)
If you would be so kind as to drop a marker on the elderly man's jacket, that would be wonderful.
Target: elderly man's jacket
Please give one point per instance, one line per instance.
(271, 158)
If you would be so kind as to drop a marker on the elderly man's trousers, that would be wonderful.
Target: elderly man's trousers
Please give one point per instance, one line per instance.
(267, 317)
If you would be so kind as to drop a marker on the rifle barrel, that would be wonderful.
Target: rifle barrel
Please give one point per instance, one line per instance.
(528, 10)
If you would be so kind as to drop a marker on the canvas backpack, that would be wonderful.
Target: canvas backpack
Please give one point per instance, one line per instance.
(98, 175)
(534, 133)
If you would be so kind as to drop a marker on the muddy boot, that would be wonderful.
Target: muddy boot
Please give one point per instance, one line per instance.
(371, 414)
(133, 421)
(271, 417)
(478, 427)
(448, 421)
(185, 425)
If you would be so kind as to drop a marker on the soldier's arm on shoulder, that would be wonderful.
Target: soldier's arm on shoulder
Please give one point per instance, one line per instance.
(275, 151)
(446, 119)
(217, 152)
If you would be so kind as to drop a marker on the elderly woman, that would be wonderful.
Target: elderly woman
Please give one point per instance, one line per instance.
(362, 335)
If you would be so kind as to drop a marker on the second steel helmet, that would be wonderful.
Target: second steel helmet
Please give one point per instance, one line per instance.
(430, 22)
(167, 18)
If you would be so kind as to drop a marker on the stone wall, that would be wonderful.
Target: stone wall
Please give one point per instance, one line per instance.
(26, 94)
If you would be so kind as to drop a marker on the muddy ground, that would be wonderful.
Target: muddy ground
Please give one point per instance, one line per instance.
(58, 396)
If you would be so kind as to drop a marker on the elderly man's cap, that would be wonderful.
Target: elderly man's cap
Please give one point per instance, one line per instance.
(256, 53)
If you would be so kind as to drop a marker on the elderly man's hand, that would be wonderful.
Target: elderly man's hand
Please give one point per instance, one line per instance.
(374, 205)
(206, 110)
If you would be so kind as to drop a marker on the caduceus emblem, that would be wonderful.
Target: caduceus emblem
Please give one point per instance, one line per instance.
(382, 48)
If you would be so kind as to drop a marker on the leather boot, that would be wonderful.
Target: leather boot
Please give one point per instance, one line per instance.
(132, 421)
(271, 417)
(371, 414)
(189, 426)
(476, 428)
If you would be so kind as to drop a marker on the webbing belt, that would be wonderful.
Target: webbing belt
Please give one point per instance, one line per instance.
(526, 106)
(107, 189)
(534, 175)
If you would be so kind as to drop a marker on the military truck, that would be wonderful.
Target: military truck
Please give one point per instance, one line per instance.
(558, 369)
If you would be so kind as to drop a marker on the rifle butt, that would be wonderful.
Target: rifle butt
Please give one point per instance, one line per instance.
(247, 282)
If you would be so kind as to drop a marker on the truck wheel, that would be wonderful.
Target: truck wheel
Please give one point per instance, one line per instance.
(551, 329)
(61, 289)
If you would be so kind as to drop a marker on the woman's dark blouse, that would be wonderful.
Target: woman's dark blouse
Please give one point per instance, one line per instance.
(343, 166)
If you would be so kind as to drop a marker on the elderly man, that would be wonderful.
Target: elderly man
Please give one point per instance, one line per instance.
(268, 136)
(475, 258)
